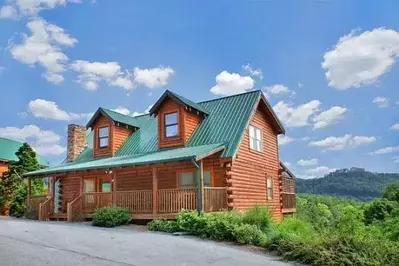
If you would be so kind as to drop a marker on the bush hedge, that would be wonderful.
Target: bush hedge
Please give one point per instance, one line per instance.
(325, 230)
(110, 217)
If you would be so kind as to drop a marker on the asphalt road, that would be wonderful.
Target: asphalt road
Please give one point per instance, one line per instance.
(56, 243)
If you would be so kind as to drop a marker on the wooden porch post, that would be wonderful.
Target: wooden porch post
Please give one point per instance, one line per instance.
(154, 192)
(29, 192)
(202, 184)
(53, 180)
(114, 188)
(199, 185)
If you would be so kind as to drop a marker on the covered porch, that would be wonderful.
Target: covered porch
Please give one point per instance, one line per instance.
(151, 190)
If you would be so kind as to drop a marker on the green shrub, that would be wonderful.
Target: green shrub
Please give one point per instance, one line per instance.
(163, 225)
(110, 217)
(257, 215)
(249, 234)
(296, 228)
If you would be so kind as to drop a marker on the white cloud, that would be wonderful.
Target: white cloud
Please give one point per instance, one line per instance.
(8, 12)
(360, 59)
(31, 7)
(319, 171)
(277, 89)
(284, 140)
(309, 162)
(256, 73)
(340, 143)
(90, 74)
(44, 142)
(381, 102)
(146, 111)
(122, 110)
(43, 47)
(288, 164)
(395, 126)
(328, 117)
(153, 77)
(386, 150)
(50, 110)
(395, 159)
(296, 116)
(126, 111)
(232, 83)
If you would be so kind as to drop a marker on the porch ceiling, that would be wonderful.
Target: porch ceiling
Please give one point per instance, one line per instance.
(169, 155)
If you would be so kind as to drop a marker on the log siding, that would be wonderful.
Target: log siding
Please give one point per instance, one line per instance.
(250, 169)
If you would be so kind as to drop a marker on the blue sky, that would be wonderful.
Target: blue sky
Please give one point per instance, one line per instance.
(329, 69)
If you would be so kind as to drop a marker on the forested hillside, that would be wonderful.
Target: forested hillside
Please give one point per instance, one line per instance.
(354, 182)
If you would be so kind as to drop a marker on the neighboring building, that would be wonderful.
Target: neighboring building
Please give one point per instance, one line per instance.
(8, 148)
(211, 155)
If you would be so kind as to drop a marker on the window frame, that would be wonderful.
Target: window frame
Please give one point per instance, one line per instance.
(269, 189)
(254, 140)
(193, 173)
(171, 125)
(100, 138)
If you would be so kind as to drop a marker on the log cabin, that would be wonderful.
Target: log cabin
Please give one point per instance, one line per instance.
(8, 149)
(208, 156)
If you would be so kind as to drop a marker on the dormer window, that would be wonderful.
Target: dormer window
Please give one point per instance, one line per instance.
(171, 125)
(103, 137)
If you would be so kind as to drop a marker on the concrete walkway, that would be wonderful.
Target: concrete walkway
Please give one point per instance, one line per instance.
(25, 242)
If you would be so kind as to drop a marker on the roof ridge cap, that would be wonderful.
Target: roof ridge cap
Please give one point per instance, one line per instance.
(231, 96)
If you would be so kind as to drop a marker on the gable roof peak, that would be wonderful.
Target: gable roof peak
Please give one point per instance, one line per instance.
(180, 99)
(113, 116)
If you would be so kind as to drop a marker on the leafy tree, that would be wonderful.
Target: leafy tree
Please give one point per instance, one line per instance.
(12, 186)
(392, 192)
(379, 209)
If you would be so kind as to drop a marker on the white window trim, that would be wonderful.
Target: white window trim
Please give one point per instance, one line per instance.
(269, 187)
(255, 140)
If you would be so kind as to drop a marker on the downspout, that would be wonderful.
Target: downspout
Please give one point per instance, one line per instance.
(198, 186)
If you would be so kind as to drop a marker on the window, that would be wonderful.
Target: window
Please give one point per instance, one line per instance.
(269, 187)
(207, 179)
(171, 125)
(255, 138)
(103, 136)
(186, 180)
(105, 186)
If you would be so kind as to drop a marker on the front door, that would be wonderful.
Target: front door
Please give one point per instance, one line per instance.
(89, 186)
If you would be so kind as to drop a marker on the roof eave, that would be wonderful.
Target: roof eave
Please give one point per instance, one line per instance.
(280, 127)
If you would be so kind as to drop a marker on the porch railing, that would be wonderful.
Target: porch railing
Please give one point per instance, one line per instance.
(94, 200)
(33, 204)
(169, 201)
(289, 203)
(173, 200)
(75, 209)
(215, 199)
(136, 201)
(46, 209)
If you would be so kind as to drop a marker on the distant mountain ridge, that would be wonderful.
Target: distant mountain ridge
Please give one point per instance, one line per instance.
(353, 182)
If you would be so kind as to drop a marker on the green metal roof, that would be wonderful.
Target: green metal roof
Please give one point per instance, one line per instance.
(180, 99)
(177, 154)
(9, 147)
(224, 125)
(114, 116)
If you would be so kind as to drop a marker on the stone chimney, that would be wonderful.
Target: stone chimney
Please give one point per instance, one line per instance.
(76, 141)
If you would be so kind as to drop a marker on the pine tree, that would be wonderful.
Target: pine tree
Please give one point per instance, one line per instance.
(13, 189)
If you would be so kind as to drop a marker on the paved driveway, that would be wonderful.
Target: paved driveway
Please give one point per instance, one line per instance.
(57, 243)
